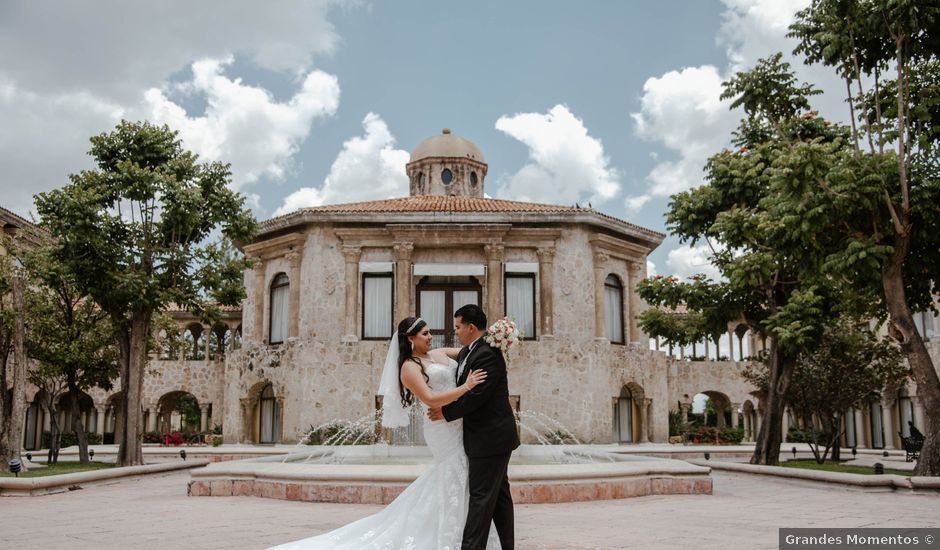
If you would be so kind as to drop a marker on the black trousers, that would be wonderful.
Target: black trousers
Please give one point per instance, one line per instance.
(490, 501)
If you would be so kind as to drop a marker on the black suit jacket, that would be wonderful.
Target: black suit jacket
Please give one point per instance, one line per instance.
(489, 426)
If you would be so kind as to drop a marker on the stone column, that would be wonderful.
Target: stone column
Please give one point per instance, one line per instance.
(730, 346)
(887, 416)
(861, 430)
(644, 407)
(203, 417)
(636, 272)
(684, 407)
(786, 425)
(352, 254)
(734, 415)
(919, 419)
(403, 283)
(494, 281)
(260, 291)
(293, 326)
(152, 419)
(546, 286)
(207, 341)
(100, 418)
(600, 274)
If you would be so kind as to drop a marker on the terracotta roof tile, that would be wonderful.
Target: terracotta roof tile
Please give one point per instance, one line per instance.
(455, 204)
(440, 203)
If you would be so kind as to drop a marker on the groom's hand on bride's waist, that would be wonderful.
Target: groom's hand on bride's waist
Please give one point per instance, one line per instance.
(434, 413)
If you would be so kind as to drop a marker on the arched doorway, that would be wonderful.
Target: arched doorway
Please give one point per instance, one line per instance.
(113, 417)
(711, 408)
(630, 422)
(86, 412)
(178, 411)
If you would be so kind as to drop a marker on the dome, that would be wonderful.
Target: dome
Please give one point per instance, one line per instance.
(447, 144)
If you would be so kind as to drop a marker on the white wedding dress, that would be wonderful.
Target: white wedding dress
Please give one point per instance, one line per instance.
(430, 513)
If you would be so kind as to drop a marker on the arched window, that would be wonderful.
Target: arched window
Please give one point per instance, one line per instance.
(280, 305)
(613, 309)
(269, 417)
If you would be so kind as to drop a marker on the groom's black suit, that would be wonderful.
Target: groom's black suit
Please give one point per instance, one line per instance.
(489, 437)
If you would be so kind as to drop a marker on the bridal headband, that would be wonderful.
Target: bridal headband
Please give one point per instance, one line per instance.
(413, 325)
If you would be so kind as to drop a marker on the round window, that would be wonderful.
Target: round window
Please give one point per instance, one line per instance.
(447, 176)
(473, 179)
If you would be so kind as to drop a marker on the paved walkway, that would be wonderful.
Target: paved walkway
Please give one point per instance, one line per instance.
(744, 512)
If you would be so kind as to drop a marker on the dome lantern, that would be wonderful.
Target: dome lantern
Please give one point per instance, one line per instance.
(446, 164)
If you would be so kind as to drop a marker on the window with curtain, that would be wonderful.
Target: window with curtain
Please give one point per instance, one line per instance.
(613, 309)
(924, 322)
(269, 417)
(280, 306)
(376, 306)
(520, 302)
(438, 299)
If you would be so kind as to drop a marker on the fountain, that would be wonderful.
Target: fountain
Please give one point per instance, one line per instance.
(343, 469)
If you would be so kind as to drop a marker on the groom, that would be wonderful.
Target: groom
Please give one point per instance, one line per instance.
(489, 432)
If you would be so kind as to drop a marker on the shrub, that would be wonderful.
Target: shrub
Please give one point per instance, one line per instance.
(216, 440)
(717, 436)
(805, 435)
(68, 439)
(171, 438)
(151, 437)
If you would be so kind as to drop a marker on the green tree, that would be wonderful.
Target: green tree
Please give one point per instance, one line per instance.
(134, 233)
(882, 200)
(850, 368)
(70, 337)
(761, 243)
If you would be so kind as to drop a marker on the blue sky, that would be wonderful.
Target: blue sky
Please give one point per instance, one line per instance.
(609, 102)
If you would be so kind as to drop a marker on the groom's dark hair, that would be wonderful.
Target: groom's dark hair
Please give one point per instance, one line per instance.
(472, 314)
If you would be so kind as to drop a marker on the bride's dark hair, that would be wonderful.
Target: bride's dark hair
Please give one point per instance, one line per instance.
(406, 352)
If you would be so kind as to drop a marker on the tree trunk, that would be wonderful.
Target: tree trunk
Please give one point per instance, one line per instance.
(836, 437)
(132, 351)
(11, 431)
(902, 329)
(54, 434)
(77, 426)
(767, 447)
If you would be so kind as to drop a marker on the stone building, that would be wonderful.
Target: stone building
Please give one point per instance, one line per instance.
(330, 282)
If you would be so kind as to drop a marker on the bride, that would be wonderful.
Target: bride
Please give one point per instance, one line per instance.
(430, 513)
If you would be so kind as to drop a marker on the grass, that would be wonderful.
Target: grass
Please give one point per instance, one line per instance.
(60, 468)
(828, 466)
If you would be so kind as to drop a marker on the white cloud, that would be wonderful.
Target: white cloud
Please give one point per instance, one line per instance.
(686, 261)
(244, 124)
(566, 164)
(115, 48)
(44, 138)
(368, 168)
(71, 70)
(682, 111)
(650, 269)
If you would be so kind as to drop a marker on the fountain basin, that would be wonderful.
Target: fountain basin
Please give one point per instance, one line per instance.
(535, 475)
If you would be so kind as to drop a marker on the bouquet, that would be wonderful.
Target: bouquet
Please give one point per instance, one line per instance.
(502, 334)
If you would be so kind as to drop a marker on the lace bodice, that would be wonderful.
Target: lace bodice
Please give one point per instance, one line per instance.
(442, 377)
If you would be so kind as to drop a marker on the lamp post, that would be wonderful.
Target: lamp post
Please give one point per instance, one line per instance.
(91, 454)
(183, 454)
(794, 453)
(15, 466)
